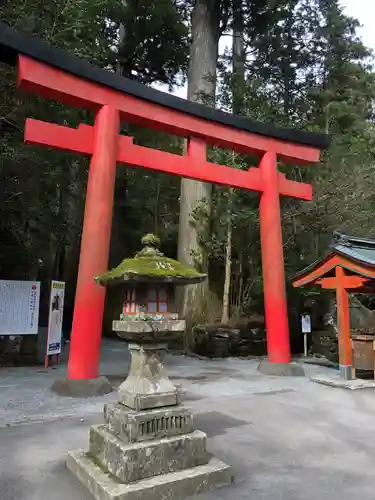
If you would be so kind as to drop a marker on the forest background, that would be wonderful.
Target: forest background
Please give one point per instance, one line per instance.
(294, 63)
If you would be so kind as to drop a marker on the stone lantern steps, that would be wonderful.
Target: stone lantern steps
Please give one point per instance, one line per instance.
(173, 486)
(135, 461)
(155, 454)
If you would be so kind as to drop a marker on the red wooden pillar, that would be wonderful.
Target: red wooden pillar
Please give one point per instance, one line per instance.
(84, 354)
(345, 348)
(276, 314)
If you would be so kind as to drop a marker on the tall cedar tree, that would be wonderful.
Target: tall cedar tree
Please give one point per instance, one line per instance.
(205, 32)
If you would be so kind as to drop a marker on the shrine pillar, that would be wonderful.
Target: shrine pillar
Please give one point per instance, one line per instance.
(86, 335)
(276, 315)
(343, 317)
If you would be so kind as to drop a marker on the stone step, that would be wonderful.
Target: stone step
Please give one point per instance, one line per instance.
(173, 486)
(134, 426)
(135, 461)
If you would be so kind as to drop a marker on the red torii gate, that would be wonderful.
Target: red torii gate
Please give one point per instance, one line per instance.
(53, 74)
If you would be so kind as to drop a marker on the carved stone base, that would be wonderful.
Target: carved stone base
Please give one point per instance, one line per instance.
(148, 446)
(139, 451)
(135, 461)
(147, 385)
(137, 426)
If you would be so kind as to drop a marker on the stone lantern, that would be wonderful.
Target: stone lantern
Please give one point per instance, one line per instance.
(148, 445)
(149, 321)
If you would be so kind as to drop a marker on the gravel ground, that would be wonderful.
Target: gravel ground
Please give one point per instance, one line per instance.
(286, 438)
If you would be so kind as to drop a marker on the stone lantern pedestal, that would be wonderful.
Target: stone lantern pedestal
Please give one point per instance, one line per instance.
(148, 448)
(147, 385)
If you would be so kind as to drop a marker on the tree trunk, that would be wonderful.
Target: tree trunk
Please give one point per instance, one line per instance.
(285, 66)
(238, 65)
(157, 208)
(228, 261)
(118, 235)
(201, 82)
(73, 213)
(238, 57)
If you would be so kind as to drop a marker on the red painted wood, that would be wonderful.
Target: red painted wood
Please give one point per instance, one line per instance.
(276, 315)
(348, 282)
(48, 82)
(197, 149)
(329, 263)
(294, 189)
(81, 140)
(345, 348)
(89, 301)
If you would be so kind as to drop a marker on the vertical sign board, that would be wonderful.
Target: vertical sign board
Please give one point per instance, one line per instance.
(19, 307)
(55, 317)
(306, 328)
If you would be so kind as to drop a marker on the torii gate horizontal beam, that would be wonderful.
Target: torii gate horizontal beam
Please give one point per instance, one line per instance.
(46, 81)
(81, 140)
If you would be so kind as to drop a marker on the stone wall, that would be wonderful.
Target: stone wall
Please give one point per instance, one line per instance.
(324, 340)
(26, 350)
(246, 338)
(325, 343)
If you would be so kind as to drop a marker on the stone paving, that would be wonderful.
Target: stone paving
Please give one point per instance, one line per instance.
(286, 438)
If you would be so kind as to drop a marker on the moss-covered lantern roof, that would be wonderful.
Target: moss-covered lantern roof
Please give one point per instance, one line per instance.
(152, 266)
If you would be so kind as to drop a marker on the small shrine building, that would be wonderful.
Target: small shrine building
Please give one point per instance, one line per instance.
(348, 267)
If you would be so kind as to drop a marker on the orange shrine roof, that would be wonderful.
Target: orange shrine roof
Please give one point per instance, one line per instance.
(355, 255)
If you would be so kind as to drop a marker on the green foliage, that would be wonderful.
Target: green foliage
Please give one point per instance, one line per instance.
(78, 27)
(152, 40)
(305, 68)
(43, 191)
(241, 207)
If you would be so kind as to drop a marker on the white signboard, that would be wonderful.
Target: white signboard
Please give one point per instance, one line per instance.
(56, 308)
(306, 323)
(19, 307)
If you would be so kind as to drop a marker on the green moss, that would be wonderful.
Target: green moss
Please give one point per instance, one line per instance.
(150, 263)
(151, 240)
(152, 267)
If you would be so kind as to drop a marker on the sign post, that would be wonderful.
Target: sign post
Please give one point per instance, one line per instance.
(306, 328)
(55, 317)
(19, 307)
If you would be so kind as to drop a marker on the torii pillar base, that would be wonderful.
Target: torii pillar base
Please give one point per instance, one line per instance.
(280, 369)
(81, 388)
